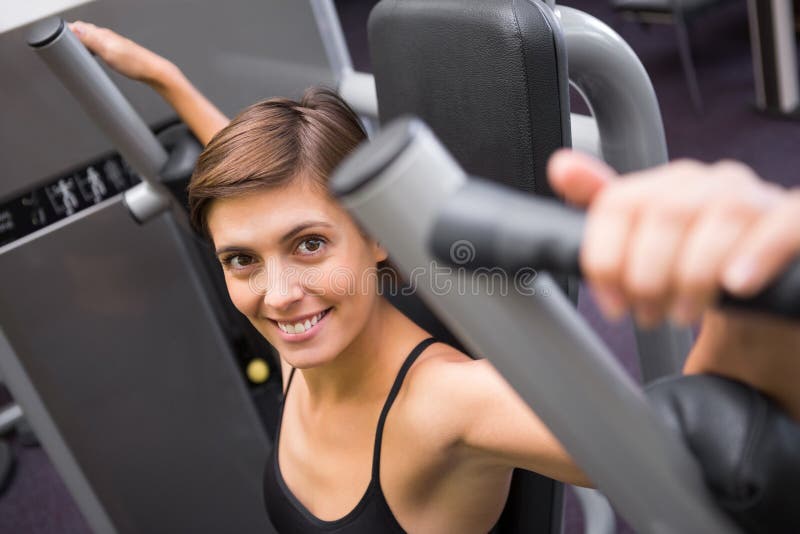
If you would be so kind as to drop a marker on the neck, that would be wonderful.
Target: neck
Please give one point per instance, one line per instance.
(365, 369)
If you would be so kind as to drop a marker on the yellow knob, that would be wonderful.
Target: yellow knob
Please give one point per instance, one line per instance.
(258, 371)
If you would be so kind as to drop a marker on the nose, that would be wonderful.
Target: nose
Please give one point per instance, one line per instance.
(279, 286)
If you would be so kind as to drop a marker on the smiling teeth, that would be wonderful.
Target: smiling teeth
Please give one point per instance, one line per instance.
(299, 328)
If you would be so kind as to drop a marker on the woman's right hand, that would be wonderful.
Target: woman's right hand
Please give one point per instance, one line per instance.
(123, 55)
(141, 64)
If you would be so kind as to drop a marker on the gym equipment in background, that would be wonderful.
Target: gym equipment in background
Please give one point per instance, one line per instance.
(113, 347)
(774, 49)
(115, 342)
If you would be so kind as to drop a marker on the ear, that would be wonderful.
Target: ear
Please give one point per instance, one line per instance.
(379, 253)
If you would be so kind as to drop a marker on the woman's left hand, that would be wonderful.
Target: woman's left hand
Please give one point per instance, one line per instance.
(664, 242)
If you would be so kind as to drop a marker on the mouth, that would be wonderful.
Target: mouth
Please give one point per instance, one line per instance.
(301, 326)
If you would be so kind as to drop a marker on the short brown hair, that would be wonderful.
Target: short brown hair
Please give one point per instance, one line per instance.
(271, 143)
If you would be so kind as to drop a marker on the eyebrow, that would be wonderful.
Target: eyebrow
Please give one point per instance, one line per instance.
(301, 227)
(286, 237)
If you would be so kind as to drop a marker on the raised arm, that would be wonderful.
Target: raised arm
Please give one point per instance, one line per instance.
(139, 63)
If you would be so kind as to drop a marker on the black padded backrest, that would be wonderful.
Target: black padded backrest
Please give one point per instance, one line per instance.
(490, 78)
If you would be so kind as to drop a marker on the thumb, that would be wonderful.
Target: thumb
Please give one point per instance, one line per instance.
(578, 177)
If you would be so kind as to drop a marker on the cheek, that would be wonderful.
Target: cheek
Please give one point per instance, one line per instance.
(361, 279)
(314, 280)
(243, 297)
(339, 280)
(333, 281)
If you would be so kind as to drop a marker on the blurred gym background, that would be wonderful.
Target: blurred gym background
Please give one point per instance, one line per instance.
(726, 125)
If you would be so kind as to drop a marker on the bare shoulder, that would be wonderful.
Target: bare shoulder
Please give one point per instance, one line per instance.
(445, 369)
(441, 389)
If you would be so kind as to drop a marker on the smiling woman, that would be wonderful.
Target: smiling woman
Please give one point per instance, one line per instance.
(298, 267)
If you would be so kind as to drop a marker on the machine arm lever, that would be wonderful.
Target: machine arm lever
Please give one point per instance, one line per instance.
(74, 66)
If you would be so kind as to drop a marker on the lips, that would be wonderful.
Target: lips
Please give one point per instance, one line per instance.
(301, 325)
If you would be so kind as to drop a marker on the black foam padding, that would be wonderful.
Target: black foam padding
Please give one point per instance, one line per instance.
(489, 77)
(747, 446)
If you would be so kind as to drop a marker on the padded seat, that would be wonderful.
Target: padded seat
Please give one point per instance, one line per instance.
(746, 445)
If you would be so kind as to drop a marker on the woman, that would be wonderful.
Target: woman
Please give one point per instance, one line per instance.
(405, 433)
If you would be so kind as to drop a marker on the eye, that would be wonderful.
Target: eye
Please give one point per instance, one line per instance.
(237, 261)
(310, 245)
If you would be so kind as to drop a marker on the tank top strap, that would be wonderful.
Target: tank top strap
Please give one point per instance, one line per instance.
(398, 382)
(289, 382)
(283, 404)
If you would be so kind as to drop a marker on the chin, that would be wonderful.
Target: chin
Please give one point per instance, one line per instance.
(307, 358)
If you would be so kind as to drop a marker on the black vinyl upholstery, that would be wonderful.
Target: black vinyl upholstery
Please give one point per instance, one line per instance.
(490, 79)
(747, 447)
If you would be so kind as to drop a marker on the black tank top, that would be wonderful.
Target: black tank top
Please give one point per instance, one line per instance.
(372, 514)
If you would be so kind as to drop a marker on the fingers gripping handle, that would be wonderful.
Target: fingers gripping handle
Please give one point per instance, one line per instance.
(513, 231)
(83, 77)
(781, 297)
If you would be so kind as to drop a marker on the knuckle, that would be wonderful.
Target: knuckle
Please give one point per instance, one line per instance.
(642, 287)
(617, 200)
(669, 211)
(598, 271)
(608, 198)
(688, 168)
(733, 206)
(729, 170)
(666, 211)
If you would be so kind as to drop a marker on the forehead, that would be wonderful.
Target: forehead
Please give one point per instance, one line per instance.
(269, 214)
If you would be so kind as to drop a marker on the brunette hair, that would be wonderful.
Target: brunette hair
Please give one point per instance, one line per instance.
(271, 143)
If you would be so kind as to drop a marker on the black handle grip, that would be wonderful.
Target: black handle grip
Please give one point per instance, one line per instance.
(488, 225)
(780, 297)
